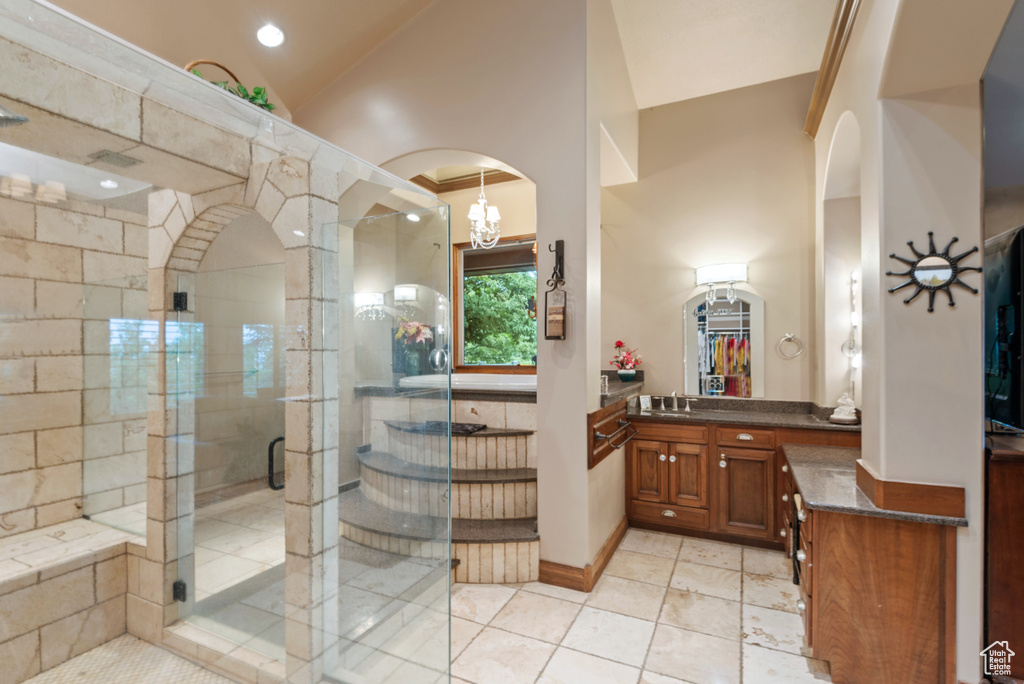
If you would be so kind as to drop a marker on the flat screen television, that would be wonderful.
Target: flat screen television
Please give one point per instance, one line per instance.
(1004, 326)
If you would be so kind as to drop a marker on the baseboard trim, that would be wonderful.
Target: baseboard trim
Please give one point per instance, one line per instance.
(910, 497)
(584, 579)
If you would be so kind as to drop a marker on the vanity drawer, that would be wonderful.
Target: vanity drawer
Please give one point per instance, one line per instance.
(745, 437)
(690, 434)
(666, 514)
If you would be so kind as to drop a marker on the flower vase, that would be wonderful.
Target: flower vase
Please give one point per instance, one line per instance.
(627, 375)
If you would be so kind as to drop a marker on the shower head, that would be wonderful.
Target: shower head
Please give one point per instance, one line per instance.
(9, 118)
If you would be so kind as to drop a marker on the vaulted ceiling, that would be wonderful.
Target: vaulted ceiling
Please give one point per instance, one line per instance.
(675, 49)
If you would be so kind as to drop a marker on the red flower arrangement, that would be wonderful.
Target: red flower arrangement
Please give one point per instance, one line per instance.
(625, 359)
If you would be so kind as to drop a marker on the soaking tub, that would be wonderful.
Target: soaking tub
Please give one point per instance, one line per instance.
(474, 381)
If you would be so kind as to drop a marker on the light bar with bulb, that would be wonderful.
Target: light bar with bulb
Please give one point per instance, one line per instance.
(405, 293)
(722, 273)
(366, 299)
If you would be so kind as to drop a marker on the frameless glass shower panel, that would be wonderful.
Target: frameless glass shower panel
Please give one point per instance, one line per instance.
(386, 359)
(229, 386)
(120, 342)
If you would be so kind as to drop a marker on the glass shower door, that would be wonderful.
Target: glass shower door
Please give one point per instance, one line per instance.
(389, 283)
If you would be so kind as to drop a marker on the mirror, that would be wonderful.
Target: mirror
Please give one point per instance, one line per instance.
(723, 354)
(933, 271)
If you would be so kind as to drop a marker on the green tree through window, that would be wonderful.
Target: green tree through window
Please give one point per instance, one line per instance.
(498, 329)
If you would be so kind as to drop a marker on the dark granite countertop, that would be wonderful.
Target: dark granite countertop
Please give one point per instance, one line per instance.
(827, 479)
(740, 417)
(621, 390)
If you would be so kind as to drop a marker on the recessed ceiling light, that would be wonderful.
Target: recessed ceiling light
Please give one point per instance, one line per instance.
(108, 184)
(413, 217)
(270, 35)
(299, 233)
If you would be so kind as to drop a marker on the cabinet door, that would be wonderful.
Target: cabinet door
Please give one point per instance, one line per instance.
(746, 484)
(648, 464)
(688, 475)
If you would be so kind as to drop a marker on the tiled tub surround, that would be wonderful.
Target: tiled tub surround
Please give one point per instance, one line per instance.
(63, 590)
(402, 503)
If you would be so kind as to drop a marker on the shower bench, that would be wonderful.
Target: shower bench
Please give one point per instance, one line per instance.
(63, 591)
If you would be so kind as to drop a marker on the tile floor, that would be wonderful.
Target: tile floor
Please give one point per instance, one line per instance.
(668, 610)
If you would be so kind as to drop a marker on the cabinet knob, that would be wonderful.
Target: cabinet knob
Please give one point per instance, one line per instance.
(722, 463)
(745, 436)
(801, 606)
(671, 459)
(662, 457)
(782, 532)
(785, 468)
(801, 515)
(669, 514)
(801, 555)
(785, 497)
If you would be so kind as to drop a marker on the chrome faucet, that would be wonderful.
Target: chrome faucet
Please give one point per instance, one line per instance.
(675, 401)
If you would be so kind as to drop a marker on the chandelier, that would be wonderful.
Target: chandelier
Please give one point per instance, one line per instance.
(483, 229)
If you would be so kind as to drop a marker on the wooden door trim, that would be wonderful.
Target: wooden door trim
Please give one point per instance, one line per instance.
(835, 48)
(911, 497)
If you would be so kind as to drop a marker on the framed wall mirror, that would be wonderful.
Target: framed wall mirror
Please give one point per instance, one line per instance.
(723, 353)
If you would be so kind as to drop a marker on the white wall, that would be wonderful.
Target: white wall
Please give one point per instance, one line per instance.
(449, 81)
(723, 178)
(921, 170)
(841, 251)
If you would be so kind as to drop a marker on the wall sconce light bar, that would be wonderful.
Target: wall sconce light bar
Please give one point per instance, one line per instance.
(721, 273)
(405, 293)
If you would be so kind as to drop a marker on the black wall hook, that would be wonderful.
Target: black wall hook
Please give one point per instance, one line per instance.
(558, 274)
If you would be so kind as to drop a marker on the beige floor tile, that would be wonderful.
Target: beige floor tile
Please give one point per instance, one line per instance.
(499, 657)
(694, 657)
(536, 616)
(628, 597)
(411, 673)
(699, 613)
(269, 551)
(765, 666)
(775, 629)
(708, 580)
(764, 562)
(647, 677)
(224, 571)
(479, 602)
(556, 592)
(770, 592)
(641, 567)
(653, 543)
(610, 635)
(572, 667)
(719, 554)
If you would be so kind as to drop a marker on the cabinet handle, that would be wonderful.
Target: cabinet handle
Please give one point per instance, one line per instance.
(801, 555)
(662, 457)
(785, 497)
(782, 532)
(801, 515)
(745, 437)
(722, 463)
(669, 514)
(671, 459)
(801, 606)
(785, 468)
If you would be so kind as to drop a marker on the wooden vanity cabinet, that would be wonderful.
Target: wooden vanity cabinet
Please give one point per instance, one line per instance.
(745, 502)
(717, 481)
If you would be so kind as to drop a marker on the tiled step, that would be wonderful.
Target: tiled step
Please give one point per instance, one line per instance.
(423, 490)
(488, 449)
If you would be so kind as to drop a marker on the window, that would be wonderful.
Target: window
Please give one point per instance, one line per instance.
(185, 360)
(258, 358)
(497, 290)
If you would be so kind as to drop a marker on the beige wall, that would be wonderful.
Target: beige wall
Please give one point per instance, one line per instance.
(921, 170)
(723, 178)
(524, 103)
(841, 258)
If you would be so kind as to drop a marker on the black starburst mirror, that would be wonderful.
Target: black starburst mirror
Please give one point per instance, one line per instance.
(933, 271)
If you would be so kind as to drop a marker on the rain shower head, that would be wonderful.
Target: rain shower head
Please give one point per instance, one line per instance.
(9, 118)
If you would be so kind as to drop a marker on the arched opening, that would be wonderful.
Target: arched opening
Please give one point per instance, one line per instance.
(841, 292)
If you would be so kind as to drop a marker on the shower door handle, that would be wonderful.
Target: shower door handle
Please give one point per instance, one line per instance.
(270, 464)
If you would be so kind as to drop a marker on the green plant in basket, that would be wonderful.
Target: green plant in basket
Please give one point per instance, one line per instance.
(258, 96)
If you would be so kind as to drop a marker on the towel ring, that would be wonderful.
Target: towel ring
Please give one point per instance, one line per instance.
(790, 337)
